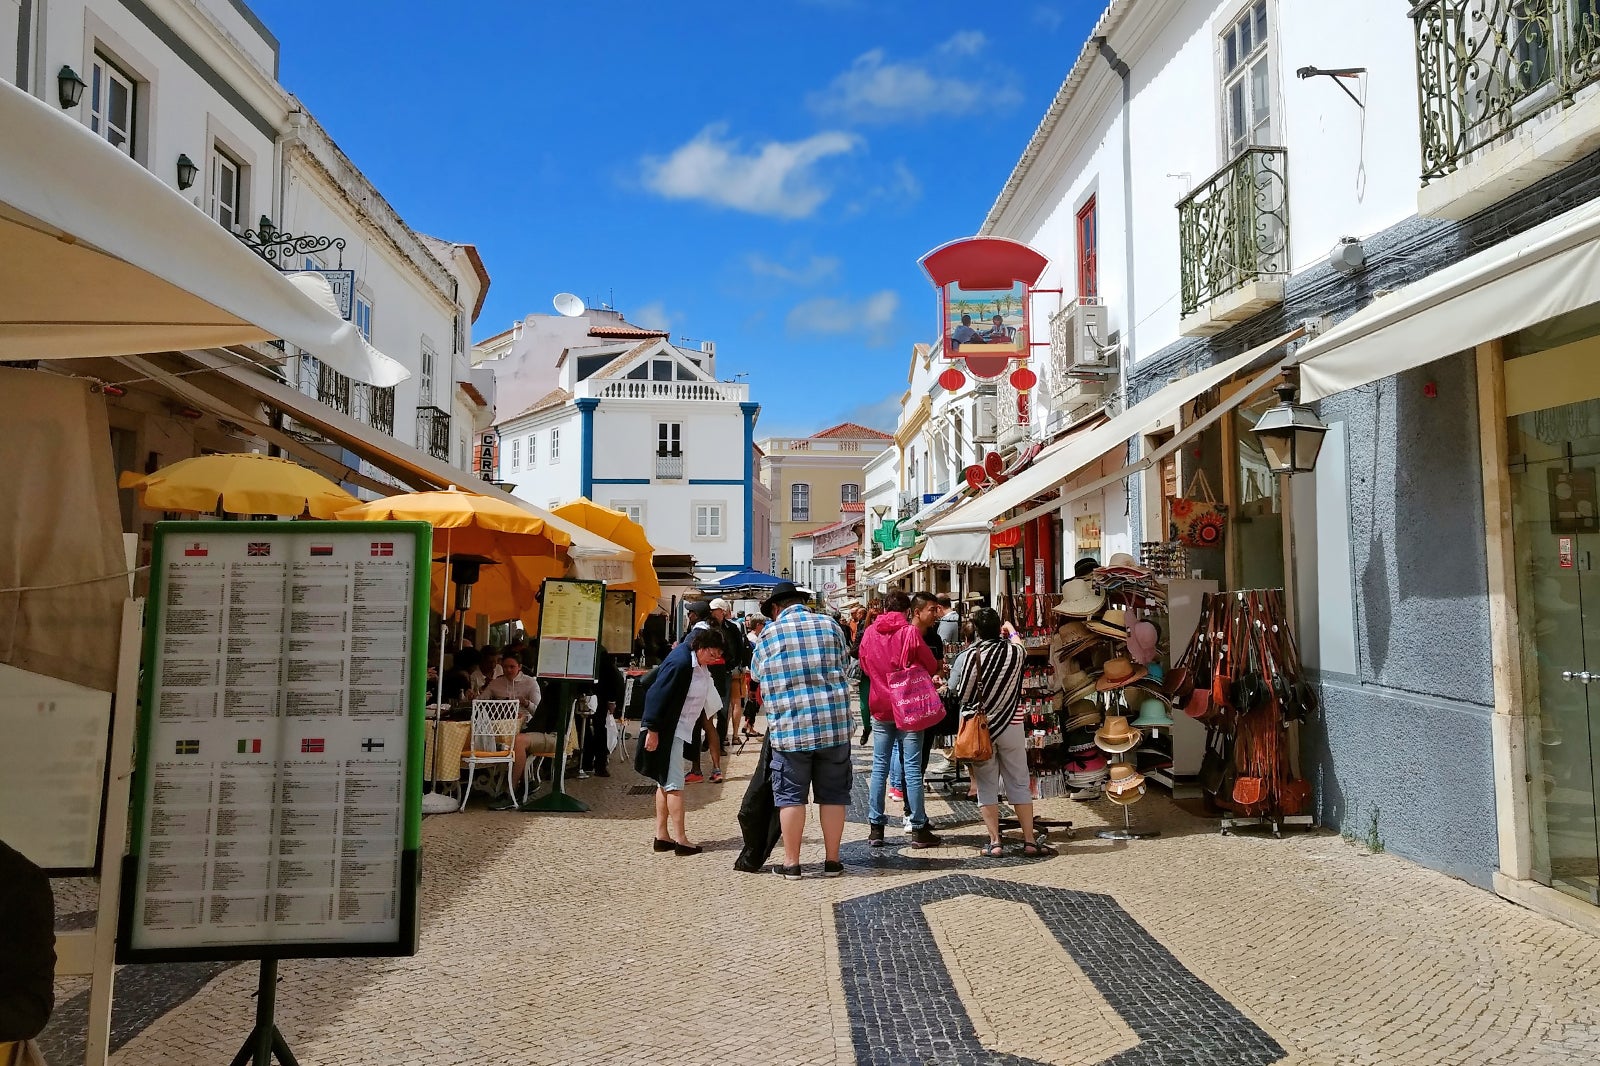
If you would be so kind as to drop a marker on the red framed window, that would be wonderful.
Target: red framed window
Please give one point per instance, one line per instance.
(1088, 259)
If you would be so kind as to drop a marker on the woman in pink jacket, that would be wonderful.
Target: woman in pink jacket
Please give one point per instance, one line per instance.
(893, 642)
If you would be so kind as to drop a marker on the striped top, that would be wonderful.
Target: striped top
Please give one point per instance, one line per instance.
(800, 663)
(991, 684)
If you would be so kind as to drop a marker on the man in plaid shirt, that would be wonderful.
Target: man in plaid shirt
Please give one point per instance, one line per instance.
(800, 664)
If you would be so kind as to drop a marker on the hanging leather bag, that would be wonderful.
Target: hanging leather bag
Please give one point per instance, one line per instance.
(973, 742)
(1198, 520)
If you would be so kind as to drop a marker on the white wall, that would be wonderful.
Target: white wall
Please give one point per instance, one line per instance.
(543, 481)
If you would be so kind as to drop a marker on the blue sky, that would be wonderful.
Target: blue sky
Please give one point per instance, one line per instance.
(764, 175)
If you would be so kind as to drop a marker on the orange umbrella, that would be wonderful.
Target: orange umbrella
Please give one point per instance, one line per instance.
(622, 530)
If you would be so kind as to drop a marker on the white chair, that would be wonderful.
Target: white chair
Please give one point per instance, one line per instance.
(542, 752)
(493, 742)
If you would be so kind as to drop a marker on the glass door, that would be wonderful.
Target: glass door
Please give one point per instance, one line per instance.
(1555, 456)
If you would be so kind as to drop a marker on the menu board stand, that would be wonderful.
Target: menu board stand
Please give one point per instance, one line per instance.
(569, 635)
(265, 1040)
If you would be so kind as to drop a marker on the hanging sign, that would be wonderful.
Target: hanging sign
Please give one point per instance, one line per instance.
(984, 285)
(1565, 552)
(570, 614)
(277, 792)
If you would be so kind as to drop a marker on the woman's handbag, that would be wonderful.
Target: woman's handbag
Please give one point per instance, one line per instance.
(913, 695)
(1214, 766)
(1198, 520)
(973, 742)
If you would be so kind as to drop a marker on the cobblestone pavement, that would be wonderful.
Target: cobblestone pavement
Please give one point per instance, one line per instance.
(565, 940)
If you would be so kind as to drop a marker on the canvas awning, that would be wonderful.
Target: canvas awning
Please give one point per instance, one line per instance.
(103, 258)
(957, 549)
(1067, 459)
(1546, 271)
(929, 510)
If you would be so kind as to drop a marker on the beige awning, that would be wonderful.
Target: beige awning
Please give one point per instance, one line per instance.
(957, 549)
(1066, 460)
(1546, 271)
(103, 258)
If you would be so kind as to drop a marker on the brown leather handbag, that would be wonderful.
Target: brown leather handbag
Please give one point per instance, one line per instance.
(973, 742)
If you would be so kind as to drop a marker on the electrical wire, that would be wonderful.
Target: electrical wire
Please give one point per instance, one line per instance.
(73, 584)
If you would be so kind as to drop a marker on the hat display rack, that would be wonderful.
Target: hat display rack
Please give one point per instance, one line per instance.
(1242, 678)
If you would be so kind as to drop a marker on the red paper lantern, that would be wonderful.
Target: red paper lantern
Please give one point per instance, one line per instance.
(1023, 379)
(952, 379)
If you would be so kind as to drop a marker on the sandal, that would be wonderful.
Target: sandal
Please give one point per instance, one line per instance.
(1038, 850)
(993, 851)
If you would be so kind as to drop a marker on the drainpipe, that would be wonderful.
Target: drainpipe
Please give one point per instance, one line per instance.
(1120, 68)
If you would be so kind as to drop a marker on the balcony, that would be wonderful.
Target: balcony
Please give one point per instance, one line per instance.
(634, 389)
(433, 432)
(669, 467)
(333, 389)
(1233, 242)
(1500, 88)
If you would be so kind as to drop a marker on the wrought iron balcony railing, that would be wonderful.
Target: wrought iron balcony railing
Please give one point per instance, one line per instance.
(669, 467)
(433, 432)
(1234, 228)
(333, 389)
(1484, 67)
(375, 407)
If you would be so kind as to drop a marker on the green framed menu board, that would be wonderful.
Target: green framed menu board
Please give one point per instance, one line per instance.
(277, 789)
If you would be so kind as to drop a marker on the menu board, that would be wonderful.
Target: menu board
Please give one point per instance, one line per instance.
(569, 628)
(616, 622)
(56, 734)
(277, 792)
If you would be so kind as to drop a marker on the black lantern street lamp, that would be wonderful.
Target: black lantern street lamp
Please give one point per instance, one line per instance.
(69, 87)
(1290, 433)
(186, 171)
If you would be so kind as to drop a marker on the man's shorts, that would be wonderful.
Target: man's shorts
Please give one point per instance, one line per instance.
(824, 773)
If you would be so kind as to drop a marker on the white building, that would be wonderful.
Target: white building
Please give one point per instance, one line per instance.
(646, 428)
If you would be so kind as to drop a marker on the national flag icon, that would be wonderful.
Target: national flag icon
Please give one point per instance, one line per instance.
(383, 547)
(258, 547)
(322, 549)
(311, 746)
(372, 744)
(250, 747)
(196, 548)
(186, 747)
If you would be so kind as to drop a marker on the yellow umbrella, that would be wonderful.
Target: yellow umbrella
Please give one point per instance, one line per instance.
(620, 529)
(239, 483)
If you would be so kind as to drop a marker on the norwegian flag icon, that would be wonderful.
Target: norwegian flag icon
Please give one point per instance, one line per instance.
(196, 548)
(311, 746)
(383, 547)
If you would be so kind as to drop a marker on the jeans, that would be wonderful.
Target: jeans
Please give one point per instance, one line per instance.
(887, 738)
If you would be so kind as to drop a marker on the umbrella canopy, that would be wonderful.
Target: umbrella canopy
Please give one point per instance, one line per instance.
(239, 483)
(749, 579)
(620, 529)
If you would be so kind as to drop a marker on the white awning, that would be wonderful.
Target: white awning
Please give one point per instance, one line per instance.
(929, 510)
(957, 549)
(1066, 459)
(1549, 270)
(898, 574)
(103, 258)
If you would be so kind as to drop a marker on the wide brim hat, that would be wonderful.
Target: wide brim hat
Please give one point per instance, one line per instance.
(1082, 715)
(1079, 599)
(1084, 690)
(1119, 672)
(1153, 714)
(1071, 638)
(1144, 689)
(1124, 778)
(1144, 642)
(1117, 735)
(1123, 565)
(1114, 623)
(1124, 799)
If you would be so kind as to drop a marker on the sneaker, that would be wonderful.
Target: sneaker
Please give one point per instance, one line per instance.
(875, 836)
(693, 779)
(716, 777)
(897, 795)
(924, 838)
(832, 869)
(788, 873)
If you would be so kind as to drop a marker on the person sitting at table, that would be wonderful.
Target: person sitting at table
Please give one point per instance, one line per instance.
(513, 684)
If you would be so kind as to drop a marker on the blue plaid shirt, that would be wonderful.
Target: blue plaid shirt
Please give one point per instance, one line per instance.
(800, 662)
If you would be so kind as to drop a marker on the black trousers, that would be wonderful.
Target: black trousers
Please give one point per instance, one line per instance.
(594, 755)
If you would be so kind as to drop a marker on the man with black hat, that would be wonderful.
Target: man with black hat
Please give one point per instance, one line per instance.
(800, 664)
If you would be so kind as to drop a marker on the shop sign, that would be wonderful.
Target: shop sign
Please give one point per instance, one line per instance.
(985, 285)
(343, 284)
(1086, 533)
(486, 456)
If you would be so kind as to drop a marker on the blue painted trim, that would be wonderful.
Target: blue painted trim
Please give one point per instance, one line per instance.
(750, 411)
(716, 481)
(586, 408)
(619, 481)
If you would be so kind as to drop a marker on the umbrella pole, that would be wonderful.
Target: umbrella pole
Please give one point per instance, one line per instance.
(438, 720)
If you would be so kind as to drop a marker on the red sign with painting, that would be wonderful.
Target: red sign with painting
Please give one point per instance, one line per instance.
(985, 320)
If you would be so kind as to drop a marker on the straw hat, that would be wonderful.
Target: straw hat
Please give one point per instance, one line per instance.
(1144, 642)
(1123, 565)
(1117, 735)
(1128, 798)
(1118, 673)
(1071, 638)
(1083, 689)
(1124, 778)
(1082, 714)
(1114, 623)
(1153, 714)
(1079, 599)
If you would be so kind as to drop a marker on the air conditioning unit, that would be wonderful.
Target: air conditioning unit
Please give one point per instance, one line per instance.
(985, 428)
(1079, 340)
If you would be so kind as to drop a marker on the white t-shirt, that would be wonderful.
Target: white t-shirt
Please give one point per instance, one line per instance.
(695, 702)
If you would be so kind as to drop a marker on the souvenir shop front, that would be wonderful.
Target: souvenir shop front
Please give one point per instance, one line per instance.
(1172, 661)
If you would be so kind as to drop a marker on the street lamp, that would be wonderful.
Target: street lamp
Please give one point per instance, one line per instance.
(1290, 433)
(186, 171)
(69, 87)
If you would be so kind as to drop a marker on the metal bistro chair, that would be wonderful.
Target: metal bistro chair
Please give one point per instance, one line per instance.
(493, 742)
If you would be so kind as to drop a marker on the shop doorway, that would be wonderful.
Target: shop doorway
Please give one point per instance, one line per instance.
(1554, 466)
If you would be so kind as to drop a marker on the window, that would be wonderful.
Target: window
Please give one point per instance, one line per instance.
(1088, 259)
(632, 508)
(708, 521)
(849, 492)
(661, 370)
(1246, 81)
(533, 450)
(555, 446)
(224, 189)
(111, 100)
(800, 502)
(516, 453)
(363, 313)
(669, 438)
(425, 378)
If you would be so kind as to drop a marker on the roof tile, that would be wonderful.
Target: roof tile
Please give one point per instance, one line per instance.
(853, 430)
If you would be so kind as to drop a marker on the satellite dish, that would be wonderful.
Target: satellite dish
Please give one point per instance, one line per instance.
(568, 304)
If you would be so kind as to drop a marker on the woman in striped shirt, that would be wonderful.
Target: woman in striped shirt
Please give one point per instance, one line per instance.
(991, 685)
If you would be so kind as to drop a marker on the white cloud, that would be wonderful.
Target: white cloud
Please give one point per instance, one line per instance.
(654, 315)
(1047, 17)
(817, 269)
(868, 319)
(777, 179)
(882, 415)
(875, 89)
